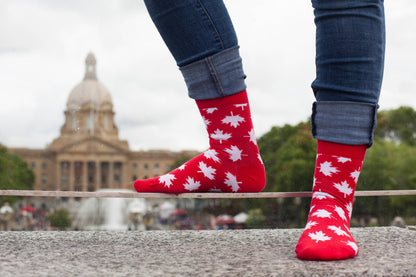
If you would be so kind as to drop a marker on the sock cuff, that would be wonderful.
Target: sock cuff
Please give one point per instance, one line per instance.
(344, 150)
(222, 101)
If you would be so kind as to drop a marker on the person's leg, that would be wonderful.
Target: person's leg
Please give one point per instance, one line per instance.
(201, 38)
(350, 38)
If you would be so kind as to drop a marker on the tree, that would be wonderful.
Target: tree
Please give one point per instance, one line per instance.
(14, 173)
(60, 219)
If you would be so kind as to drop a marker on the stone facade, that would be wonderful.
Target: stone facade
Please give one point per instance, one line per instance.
(88, 155)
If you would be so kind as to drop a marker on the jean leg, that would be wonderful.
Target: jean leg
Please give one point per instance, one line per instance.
(201, 38)
(192, 29)
(350, 43)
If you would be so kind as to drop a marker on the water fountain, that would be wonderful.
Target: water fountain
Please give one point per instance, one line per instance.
(112, 214)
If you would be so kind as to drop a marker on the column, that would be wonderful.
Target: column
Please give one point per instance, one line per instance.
(110, 174)
(97, 175)
(84, 178)
(58, 175)
(71, 175)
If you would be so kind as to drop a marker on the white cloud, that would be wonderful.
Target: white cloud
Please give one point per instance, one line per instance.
(43, 45)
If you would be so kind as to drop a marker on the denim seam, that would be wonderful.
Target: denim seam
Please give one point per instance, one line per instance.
(217, 77)
(212, 24)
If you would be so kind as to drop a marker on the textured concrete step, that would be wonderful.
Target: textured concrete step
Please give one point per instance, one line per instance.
(384, 251)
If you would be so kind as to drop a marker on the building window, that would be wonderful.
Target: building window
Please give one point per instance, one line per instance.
(44, 165)
(134, 167)
(73, 122)
(33, 165)
(44, 179)
(107, 123)
(90, 121)
(156, 168)
(146, 166)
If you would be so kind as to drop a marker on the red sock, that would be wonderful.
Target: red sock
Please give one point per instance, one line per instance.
(231, 164)
(327, 233)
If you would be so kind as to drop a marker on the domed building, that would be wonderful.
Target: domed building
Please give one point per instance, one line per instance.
(89, 155)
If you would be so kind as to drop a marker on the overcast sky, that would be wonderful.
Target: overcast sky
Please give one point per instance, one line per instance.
(44, 43)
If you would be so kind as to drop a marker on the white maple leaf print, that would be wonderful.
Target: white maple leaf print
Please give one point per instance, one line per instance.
(344, 188)
(338, 231)
(242, 106)
(211, 110)
(232, 182)
(322, 213)
(340, 212)
(235, 153)
(191, 184)
(353, 246)
(321, 195)
(310, 224)
(220, 135)
(167, 179)
(348, 206)
(327, 169)
(212, 154)
(233, 120)
(343, 160)
(206, 121)
(311, 208)
(208, 171)
(355, 174)
(319, 236)
(259, 157)
(182, 167)
(252, 136)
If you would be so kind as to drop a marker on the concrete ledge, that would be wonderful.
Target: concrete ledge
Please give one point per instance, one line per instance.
(384, 251)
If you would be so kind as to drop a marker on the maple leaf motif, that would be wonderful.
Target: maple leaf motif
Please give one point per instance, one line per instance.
(343, 160)
(327, 169)
(355, 174)
(321, 195)
(191, 184)
(208, 171)
(233, 120)
(259, 157)
(322, 213)
(338, 231)
(252, 136)
(220, 135)
(206, 121)
(311, 208)
(353, 246)
(167, 179)
(242, 106)
(211, 110)
(340, 212)
(235, 153)
(343, 188)
(182, 167)
(348, 206)
(212, 154)
(310, 224)
(319, 236)
(232, 182)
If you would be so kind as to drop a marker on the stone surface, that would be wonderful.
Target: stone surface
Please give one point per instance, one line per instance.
(384, 251)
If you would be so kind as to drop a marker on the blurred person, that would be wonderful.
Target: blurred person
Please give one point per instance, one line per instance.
(350, 45)
(6, 215)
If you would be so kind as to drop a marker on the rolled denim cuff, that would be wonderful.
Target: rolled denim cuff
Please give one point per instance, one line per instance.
(215, 76)
(343, 122)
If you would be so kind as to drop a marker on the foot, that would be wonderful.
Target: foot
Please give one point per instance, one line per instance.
(231, 164)
(327, 233)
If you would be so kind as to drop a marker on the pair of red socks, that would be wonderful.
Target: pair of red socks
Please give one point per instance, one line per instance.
(233, 164)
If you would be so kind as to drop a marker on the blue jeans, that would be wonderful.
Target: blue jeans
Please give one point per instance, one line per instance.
(350, 39)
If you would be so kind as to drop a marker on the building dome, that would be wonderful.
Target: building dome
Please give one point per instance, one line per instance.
(90, 91)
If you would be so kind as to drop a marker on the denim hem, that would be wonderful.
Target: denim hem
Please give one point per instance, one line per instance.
(344, 122)
(215, 76)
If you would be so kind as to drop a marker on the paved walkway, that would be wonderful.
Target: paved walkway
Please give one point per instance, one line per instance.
(384, 251)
